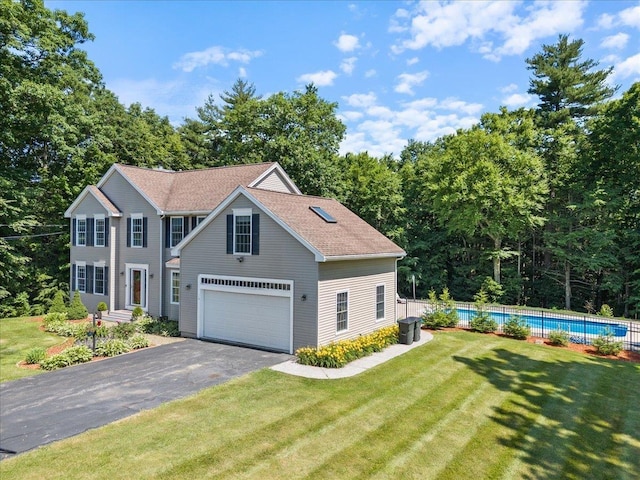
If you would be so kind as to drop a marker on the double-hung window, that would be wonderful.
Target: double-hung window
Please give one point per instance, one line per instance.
(380, 302)
(81, 231)
(177, 230)
(99, 231)
(99, 280)
(175, 287)
(81, 277)
(242, 231)
(342, 311)
(136, 230)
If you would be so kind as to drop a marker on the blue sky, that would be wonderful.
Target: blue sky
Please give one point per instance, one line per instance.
(398, 70)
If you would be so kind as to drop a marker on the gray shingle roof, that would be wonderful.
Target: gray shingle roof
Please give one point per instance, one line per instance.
(349, 236)
(192, 190)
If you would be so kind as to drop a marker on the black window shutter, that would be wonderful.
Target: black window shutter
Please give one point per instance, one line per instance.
(89, 283)
(229, 233)
(194, 222)
(89, 232)
(128, 232)
(144, 232)
(106, 280)
(185, 226)
(167, 232)
(73, 231)
(73, 277)
(106, 232)
(255, 234)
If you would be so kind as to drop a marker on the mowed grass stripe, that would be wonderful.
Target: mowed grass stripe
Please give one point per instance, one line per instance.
(318, 422)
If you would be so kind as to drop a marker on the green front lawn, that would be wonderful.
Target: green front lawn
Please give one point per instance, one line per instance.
(17, 337)
(462, 406)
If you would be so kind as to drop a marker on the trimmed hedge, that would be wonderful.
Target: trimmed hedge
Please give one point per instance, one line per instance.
(336, 355)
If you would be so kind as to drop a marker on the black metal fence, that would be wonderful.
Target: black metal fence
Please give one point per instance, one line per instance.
(581, 328)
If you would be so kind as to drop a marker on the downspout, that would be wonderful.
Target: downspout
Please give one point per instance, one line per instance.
(161, 265)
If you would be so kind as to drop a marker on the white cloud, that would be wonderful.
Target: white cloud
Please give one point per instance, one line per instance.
(370, 73)
(214, 55)
(347, 43)
(631, 17)
(517, 100)
(447, 24)
(461, 106)
(409, 80)
(323, 78)
(628, 67)
(606, 21)
(242, 72)
(351, 115)
(512, 87)
(361, 100)
(413, 61)
(618, 41)
(348, 65)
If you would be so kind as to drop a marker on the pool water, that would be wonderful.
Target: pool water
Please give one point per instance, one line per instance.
(549, 323)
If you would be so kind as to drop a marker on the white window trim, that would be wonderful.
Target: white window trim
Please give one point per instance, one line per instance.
(80, 218)
(97, 265)
(84, 266)
(243, 212)
(384, 302)
(174, 273)
(171, 230)
(95, 230)
(200, 219)
(141, 217)
(340, 332)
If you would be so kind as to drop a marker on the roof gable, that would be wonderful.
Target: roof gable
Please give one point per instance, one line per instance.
(349, 237)
(110, 208)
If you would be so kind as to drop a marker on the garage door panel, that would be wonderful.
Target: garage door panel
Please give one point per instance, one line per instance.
(261, 320)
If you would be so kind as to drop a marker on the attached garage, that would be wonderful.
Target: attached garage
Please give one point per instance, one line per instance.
(248, 311)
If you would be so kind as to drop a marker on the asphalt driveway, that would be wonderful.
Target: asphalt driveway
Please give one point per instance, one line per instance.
(38, 410)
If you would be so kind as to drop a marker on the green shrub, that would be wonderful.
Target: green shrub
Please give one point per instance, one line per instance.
(336, 355)
(77, 310)
(35, 355)
(559, 338)
(154, 326)
(137, 313)
(58, 303)
(138, 341)
(57, 323)
(123, 331)
(70, 356)
(112, 347)
(605, 311)
(517, 328)
(53, 318)
(481, 320)
(606, 345)
(493, 289)
(101, 307)
(443, 311)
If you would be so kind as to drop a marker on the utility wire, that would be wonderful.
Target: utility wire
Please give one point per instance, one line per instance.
(18, 237)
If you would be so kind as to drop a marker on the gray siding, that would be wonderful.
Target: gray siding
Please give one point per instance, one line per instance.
(281, 257)
(359, 278)
(274, 182)
(129, 201)
(90, 207)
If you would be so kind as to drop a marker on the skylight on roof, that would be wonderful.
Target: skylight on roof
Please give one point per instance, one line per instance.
(323, 214)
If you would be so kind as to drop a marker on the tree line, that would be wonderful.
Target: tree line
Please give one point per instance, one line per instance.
(541, 205)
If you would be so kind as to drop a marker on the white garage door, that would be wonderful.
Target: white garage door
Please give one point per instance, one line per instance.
(248, 318)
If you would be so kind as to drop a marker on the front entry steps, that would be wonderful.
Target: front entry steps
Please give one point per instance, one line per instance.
(119, 316)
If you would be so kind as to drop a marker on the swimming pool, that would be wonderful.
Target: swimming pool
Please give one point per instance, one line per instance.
(547, 322)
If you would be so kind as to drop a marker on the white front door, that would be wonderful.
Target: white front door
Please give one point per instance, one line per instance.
(136, 286)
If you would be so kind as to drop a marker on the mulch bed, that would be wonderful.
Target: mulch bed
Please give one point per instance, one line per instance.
(624, 355)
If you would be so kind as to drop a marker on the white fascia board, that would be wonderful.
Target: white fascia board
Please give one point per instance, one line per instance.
(116, 168)
(369, 256)
(87, 190)
(276, 166)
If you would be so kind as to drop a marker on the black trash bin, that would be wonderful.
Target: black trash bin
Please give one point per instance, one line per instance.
(407, 327)
(417, 325)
